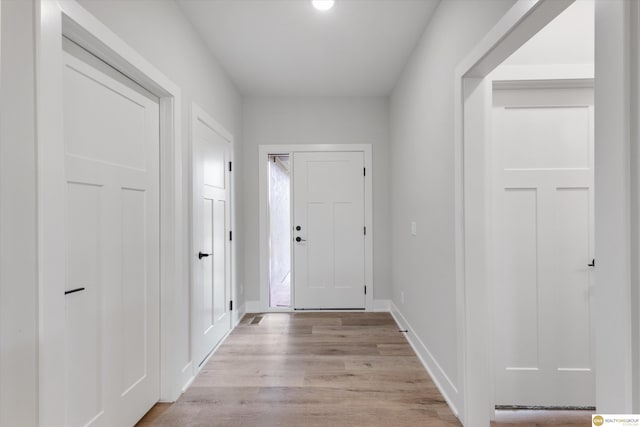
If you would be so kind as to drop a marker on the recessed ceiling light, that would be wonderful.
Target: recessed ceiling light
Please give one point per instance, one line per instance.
(322, 5)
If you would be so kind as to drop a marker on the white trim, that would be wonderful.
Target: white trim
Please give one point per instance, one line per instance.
(613, 238)
(238, 315)
(263, 152)
(543, 72)
(543, 76)
(543, 84)
(446, 387)
(67, 17)
(199, 113)
(197, 369)
(635, 195)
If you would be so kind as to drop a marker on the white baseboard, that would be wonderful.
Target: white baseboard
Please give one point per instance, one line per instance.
(255, 306)
(446, 387)
(238, 314)
(382, 305)
(196, 369)
(252, 307)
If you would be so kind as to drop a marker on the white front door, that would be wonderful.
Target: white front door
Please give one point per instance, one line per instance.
(543, 223)
(111, 129)
(212, 246)
(328, 234)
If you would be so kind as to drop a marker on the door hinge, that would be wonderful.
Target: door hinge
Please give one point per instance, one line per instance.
(230, 235)
(230, 305)
(365, 289)
(364, 171)
(230, 167)
(365, 230)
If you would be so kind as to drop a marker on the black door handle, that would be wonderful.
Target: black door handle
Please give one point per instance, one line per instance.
(300, 239)
(203, 255)
(593, 263)
(73, 291)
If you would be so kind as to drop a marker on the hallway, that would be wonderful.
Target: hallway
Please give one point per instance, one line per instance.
(311, 369)
(134, 222)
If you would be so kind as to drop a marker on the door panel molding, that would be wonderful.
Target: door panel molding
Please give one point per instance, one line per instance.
(264, 151)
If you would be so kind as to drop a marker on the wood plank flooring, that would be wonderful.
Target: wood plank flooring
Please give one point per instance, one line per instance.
(322, 369)
(310, 369)
(520, 418)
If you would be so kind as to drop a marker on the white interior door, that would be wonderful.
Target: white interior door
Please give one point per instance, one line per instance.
(543, 162)
(212, 246)
(111, 129)
(328, 221)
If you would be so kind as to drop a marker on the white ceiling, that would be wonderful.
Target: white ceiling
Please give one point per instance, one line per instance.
(287, 48)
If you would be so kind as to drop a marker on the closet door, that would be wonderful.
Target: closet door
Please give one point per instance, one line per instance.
(111, 130)
(212, 245)
(543, 157)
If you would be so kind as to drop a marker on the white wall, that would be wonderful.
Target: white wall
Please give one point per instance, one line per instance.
(422, 183)
(568, 39)
(18, 279)
(159, 31)
(318, 121)
(564, 49)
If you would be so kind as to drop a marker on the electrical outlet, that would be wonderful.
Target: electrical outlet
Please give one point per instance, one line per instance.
(402, 297)
(414, 228)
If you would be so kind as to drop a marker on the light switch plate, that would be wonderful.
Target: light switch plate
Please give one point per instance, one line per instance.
(414, 228)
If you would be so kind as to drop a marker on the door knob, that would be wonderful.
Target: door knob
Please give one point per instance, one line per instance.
(298, 228)
(300, 239)
(202, 255)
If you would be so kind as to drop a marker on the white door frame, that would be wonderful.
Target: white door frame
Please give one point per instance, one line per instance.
(613, 216)
(263, 174)
(198, 114)
(68, 18)
(635, 194)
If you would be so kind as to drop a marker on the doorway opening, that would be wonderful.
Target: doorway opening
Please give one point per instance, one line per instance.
(279, 213)
(473, 103)
(542, 207)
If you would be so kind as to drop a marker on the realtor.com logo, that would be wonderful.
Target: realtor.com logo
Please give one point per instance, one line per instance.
(616, 420)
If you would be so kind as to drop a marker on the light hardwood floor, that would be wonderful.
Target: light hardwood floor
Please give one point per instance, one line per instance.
(310, 369)
(520, 418)
(322, 369)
